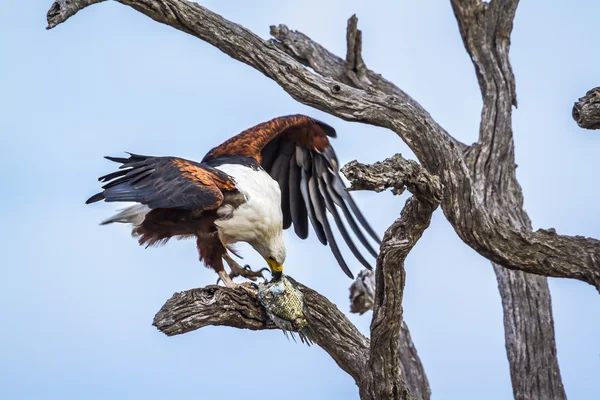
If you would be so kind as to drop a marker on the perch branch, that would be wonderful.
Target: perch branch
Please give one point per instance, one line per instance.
(217, 305)
(586, 111)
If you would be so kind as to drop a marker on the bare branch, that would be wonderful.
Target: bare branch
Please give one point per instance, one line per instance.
(217, 305)
(362, 295)
(62, 10)
(586, 111)
(397, 242)
(396, 173)
(390, 338)
(355, 65)
(362, 292)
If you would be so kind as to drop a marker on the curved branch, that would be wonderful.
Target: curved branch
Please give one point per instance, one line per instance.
(397, 242)
(397, 173)
(586, 111)
(399, 239)
(217, 305)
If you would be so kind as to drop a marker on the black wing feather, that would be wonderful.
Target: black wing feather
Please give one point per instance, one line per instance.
(305, 166)
(297, 207)
(304, 188)
(318, 203)
(160, 182)
(339, 187)
(340, 225)
(347, 214)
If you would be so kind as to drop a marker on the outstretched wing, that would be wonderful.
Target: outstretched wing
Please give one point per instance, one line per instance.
(296, 152)
(165, 182)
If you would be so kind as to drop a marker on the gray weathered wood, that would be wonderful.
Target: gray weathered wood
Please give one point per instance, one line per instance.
(586, 111)
(393, 356)
(216, 305)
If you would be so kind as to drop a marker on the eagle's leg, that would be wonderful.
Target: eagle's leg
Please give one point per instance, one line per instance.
(212, 252)
(238, 270)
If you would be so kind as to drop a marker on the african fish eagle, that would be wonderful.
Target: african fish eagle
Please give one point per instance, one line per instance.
(249, 189)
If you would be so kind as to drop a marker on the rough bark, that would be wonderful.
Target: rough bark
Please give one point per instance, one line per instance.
(586, 111)
(217, 305)
(362, 296)
(384, 293)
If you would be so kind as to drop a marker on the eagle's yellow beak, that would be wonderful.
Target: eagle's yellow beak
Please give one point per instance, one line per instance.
(276, 268)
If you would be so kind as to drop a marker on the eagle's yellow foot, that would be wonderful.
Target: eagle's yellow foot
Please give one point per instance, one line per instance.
(248, 286)
(245, 271)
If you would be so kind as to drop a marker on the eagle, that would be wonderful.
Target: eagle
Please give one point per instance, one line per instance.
(275, 175)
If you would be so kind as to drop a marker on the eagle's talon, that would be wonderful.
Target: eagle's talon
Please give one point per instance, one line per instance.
(245, 271)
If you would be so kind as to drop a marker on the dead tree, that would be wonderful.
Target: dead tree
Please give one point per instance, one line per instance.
(475, 185)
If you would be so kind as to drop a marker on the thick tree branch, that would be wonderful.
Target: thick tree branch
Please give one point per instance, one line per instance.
(435, 148)
(398, 240)
(217, 305)
(387, 341)
(528, 322)
(362, 295)
(586, 111)
(396, 173)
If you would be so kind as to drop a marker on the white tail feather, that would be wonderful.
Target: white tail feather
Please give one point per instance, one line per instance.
(131, 215)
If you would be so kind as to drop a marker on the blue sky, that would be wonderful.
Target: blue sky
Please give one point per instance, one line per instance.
(79, 298)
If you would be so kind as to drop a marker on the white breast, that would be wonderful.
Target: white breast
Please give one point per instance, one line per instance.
(259, 218)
